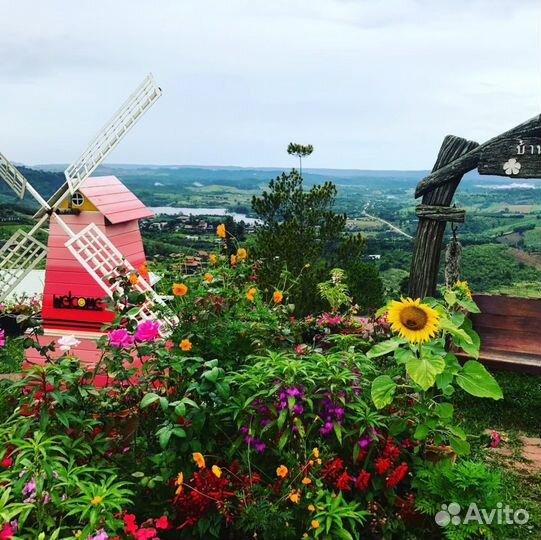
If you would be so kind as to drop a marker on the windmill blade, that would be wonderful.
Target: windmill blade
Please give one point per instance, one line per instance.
(17, 182)
(102, 260)
(126, 117)
(20, 254)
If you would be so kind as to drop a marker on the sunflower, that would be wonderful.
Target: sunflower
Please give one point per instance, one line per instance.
(412, 320)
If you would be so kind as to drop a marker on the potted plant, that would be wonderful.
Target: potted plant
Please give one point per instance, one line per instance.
(16, 316)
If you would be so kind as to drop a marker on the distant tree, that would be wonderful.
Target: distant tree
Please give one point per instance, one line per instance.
(365, 285)
(300, 150)
(299, 232)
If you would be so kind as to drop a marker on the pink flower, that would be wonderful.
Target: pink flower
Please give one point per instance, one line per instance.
(496, 439)
(67, 342)
(6, 533)
(2, 338)
(162, 523)
(120, 338)
(147, 331)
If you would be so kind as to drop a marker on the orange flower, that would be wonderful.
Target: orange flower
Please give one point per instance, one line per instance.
(311, 508)
(306, 480)
(220, 230)
(178, 482)
(96, 500)
(277, 296)
(233, 260)
(250, 295)
(295, 496)
(213, 259)
(186, 345)
(143, 269)
(282, 471)
(216, 471)
(133, 279)
(315, 524)
(179, 289)
(208, 277)
(199, 459)
(242, 254)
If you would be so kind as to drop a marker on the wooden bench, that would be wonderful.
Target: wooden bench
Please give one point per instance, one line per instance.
(510, 331)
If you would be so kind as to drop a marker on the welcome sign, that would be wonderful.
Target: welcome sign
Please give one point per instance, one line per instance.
(70, 301)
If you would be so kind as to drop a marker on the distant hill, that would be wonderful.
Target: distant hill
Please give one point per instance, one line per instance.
(45, 183)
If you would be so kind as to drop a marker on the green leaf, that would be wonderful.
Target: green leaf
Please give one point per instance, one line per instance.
(148, 399)
(403, 355)
(448, 325)
(469, 305)
(472, 347)
(383, 389)
(180, 409)
(460, 446)
(423, 370)
(164, 436)
(383, 348)
(421, 432)
(444, 410)
(450, 297)
(396, 425)
(477, 381)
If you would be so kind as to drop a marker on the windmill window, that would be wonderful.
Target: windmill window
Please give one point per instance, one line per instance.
(77, 199)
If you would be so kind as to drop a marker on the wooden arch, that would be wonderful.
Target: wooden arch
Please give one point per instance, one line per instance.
(515, 154)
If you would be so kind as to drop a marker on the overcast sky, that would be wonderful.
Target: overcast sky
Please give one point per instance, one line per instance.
(372, 84)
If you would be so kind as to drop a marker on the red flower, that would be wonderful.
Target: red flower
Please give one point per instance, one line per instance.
(163, 523)
(383, 465)
(363, 480)
(344, 482)
(397, 475)
(332, 470)
(145, 534)
(130, 525)
(391, 451)
(6, 533)
(6, 462)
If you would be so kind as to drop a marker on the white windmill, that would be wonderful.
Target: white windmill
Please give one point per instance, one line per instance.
(94, 251)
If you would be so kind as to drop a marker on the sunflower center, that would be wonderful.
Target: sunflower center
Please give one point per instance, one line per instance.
(413, 318)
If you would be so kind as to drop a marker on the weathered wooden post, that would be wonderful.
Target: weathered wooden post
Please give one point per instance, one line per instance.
(515, 153)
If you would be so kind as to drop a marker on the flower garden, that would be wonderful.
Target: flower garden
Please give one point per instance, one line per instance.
(228, 416)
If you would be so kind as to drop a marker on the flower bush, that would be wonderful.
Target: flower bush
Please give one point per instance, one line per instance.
(224, 416)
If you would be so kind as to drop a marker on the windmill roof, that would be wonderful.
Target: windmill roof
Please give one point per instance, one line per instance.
(113, 199)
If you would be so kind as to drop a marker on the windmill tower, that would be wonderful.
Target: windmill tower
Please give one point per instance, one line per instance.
(93, 229)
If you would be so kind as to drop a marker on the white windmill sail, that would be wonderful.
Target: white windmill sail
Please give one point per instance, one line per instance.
(22, 252)
(102, 260)
(125, 118)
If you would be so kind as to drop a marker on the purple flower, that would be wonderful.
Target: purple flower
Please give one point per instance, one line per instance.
(30, 487)
(260, 446)
(120, 338)
(147, 331)
(101, 535)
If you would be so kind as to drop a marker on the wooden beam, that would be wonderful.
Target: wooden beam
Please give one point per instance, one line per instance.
(516, 157)
(441, 213)
(428, 242)
(469, 161)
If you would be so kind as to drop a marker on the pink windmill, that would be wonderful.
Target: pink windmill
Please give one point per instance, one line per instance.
(93, 229)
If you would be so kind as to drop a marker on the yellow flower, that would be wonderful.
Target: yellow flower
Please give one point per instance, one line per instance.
(233, 260)
(295, 496)
(178, 482)
(78, 534)
(318, 461)
(220, 230)
(208, 277)
(311, 508)
(315, 452)
(216, 471)
(242, 254)
(250, 295)
(133, 279)
(277, 296)
(464, 287)
(307, 265)
(179, 289)
(186, 345)
(282, 471)
(414, 321)
(213, 259)
(199, 459)
(306, 480)
(315, 524)
(96, 500)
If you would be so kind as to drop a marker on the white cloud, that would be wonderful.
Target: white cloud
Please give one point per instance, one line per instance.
(372, 84)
